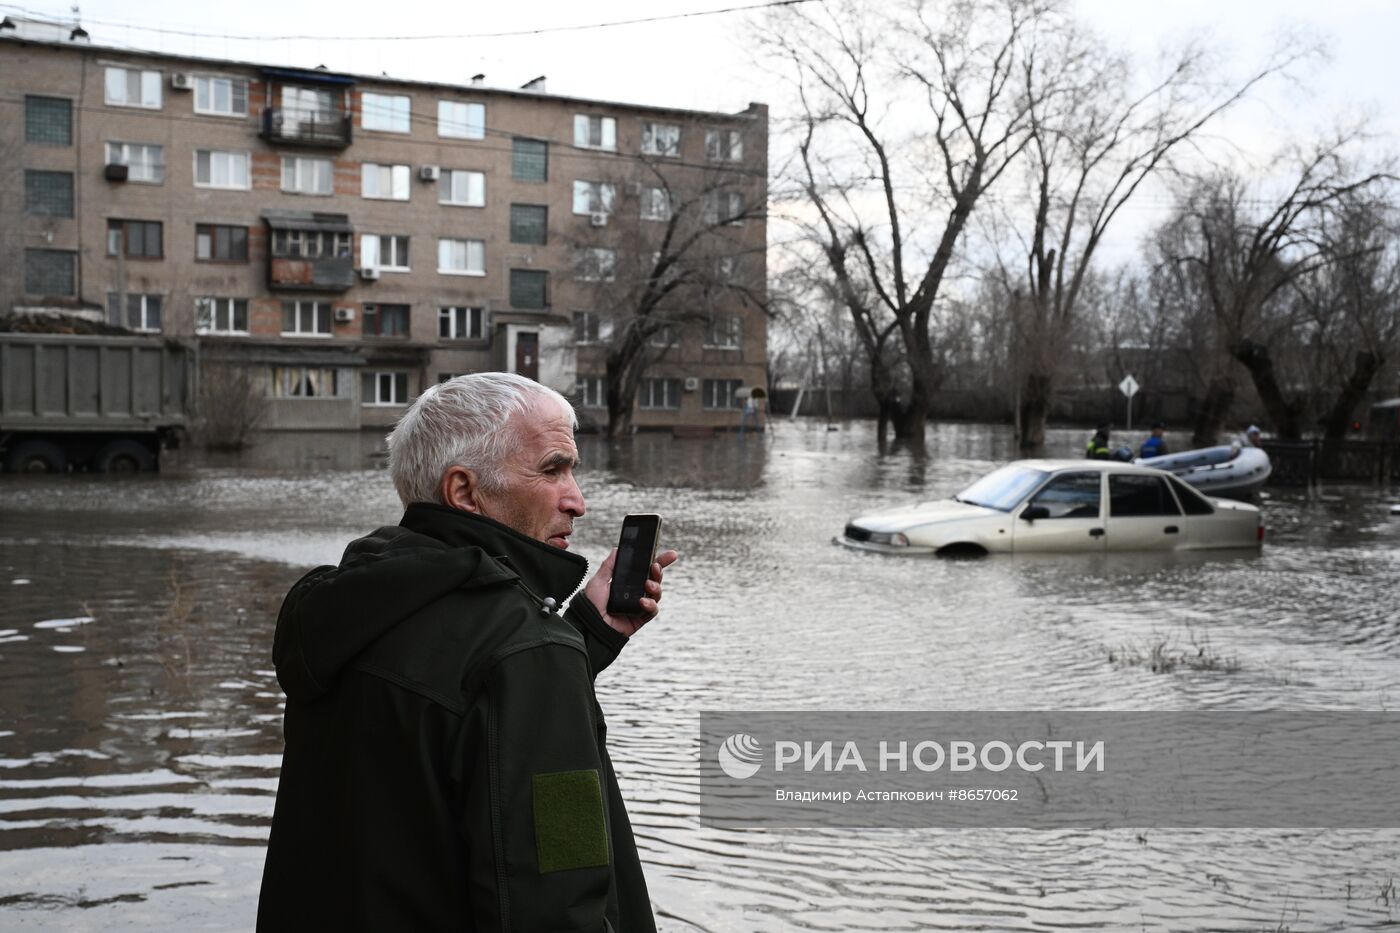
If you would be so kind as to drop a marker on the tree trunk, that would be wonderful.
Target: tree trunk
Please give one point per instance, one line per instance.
(1338, 418)
(1034, 411)
(911, 423)
(1215, 408)
(1283, 413)
(623, 376)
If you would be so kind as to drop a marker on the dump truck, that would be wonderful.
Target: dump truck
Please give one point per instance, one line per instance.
(91, 402)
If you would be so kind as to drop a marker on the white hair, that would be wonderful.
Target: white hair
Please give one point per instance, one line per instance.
(463, 422)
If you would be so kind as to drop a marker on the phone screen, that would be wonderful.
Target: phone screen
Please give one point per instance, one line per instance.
(636, 550)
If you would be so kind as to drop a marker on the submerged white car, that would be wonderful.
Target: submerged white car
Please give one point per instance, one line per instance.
(1062, 505)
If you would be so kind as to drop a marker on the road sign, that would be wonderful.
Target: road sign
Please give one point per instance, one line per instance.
(1129, 386)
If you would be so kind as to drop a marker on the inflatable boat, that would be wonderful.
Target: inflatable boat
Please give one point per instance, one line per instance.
(1230, 472)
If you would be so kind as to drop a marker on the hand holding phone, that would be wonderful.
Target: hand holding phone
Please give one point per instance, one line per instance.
(636, 551)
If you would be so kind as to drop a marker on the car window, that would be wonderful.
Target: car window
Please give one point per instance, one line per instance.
(1002, 489)
(1130, 495)
(1071, 495)
(1192, 501)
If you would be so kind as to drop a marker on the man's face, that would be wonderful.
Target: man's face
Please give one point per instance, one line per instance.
(541, 498)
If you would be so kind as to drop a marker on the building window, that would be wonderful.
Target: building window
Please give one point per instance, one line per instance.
(727, 269)
(722, 393)
(143, 162)
(528, 288)
(529, 223)
(48, 194)
(214, 168)
(309, 244)
(591, 391)
(50, 272)
(661, 139)
(595, 264)
(723, 207)
(220, 97)
(594, 197)
(656, 204)
(529, 159)
(309, 110)
(306, 319)
(141, 312)
(385, 321)
(590, 327)
(595, 132)
(302, 175)
(724, 145)
(388, 113)
(220, 243)
(461, 257)
(133, 87)
(384, 182)
(384, 388)
(386, 252)
(307, 382)
(659, 393)
(135, 239)
(48, 120)
(457, 323)
(221, 316)
(462, 188)
(460, 120)
(724, 331)
(666, 336)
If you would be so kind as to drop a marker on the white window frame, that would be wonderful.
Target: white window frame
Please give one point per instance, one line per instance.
(386, 113)
(393, 378)
(373, 178)
(308, 306)
(656, 203)
(145, 312)
(149, 84)
(204, 86)
(231, 158)
(339, 378)
(724, 145)
(710, 393)
(646, 396)
(592, 329)
(724, 332)
(595, 264)
(447, 250)
(307, 168)
(468, 183)
(668, 134)
(453, 315)
(220, 310)
(592, 391)
(373, 254)
(449, 127)
(584, 125)
(594, 197)
(147, 170)
(724, 208)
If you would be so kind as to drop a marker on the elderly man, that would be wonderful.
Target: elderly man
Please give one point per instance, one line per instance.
(445, 766)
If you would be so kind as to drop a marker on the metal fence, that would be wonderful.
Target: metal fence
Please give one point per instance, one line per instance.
(1301, 463)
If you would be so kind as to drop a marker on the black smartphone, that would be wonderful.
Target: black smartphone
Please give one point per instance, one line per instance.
(636, 551)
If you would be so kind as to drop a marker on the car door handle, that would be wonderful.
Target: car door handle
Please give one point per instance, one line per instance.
(1096, 532)
(1171, 530)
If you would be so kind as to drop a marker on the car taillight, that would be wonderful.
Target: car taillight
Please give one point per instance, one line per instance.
(1261, 532)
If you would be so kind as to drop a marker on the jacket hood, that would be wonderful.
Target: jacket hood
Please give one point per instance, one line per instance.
(334, 613)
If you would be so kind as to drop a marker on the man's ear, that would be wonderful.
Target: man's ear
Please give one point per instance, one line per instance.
(460, 490)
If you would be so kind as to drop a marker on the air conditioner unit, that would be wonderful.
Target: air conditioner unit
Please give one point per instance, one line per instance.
(429, 173)
(692, 383)
(344, 315)
(115, 172)
(181, 81)
(369, 274)
(598, 218)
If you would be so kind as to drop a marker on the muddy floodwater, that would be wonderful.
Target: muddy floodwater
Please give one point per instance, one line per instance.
(140, 719)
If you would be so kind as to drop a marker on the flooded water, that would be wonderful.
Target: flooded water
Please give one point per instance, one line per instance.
(140, 719)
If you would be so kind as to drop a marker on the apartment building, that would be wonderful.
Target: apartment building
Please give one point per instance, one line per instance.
(340, 241)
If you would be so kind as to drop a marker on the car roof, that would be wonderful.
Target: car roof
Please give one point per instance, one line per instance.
(1087, 466)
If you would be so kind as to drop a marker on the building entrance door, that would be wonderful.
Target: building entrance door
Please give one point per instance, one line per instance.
(527, 354)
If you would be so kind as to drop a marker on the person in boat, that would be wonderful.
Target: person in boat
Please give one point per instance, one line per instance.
(1098, 448)
(1155, 445)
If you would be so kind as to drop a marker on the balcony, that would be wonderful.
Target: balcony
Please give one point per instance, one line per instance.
(283, 127)
(311, 252)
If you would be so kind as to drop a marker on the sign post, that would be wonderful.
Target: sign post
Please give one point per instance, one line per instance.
(1129, 387)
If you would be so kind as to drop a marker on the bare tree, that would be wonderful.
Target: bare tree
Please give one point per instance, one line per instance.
(1094, 140)
(895, 184)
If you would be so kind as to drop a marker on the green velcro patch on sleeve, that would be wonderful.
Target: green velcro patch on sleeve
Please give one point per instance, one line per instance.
(569, 828)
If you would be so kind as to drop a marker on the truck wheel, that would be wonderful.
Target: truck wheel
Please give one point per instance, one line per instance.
(124, 457)
(36, 457)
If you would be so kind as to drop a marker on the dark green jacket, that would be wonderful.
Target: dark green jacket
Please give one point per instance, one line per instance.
(445, 765)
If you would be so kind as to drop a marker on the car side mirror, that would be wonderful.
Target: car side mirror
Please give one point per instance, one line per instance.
(1034, 512)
